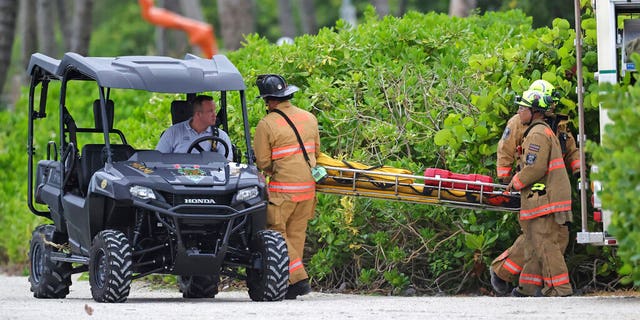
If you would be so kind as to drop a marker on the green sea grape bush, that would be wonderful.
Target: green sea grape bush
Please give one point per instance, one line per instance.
(425, 90)
(619, 172)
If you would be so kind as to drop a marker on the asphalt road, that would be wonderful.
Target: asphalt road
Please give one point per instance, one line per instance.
(17, 302)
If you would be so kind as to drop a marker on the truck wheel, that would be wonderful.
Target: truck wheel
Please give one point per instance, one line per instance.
(195, 287)
(110, 267)
(270, 280)
(48, 278)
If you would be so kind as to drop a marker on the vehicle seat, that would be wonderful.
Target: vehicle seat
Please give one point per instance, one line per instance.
(94, 156)
(181, 110)
(97, 115)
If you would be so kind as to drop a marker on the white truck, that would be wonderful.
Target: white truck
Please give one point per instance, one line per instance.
(617, 26)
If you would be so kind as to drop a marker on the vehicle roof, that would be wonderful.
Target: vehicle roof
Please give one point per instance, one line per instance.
(46, 63)
(150, 73)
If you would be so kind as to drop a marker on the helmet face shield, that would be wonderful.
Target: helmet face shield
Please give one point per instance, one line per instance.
(543, 103)
(536, 100)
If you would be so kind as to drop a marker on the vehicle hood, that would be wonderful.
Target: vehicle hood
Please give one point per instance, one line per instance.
(181, 174)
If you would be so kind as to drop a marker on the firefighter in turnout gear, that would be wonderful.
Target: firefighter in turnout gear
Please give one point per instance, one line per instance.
(506, 268)
(545, 202)
(512, 136)
(280, 155)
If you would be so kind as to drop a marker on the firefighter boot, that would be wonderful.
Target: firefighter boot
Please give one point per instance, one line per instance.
(299, 288)
(516, 293)
(500, 286)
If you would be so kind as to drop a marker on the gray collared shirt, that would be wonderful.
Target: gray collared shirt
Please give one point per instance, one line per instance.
(179, 136)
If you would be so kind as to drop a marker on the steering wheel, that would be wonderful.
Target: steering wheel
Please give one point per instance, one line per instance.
(196, 144)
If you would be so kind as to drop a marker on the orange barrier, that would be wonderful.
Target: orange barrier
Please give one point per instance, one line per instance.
(200, 33)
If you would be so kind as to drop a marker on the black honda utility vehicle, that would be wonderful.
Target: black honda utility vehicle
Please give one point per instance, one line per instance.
(122, 213)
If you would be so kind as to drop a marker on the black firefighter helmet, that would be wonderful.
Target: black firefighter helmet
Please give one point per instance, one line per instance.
(273, 85)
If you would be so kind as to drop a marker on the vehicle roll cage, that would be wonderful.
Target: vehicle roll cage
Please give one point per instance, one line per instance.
(188, 76)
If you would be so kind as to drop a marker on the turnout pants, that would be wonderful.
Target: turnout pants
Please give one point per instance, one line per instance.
(290, 219)
(544, 265)
(507, 265)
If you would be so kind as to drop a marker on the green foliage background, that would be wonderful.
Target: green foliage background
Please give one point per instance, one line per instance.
(425, 90)
(619, 171)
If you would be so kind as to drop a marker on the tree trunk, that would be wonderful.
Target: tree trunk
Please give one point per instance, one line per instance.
(45, 24)
(402, 9)
(308, 16)
(175, 41)
(236, 20)
(285, 16)
(348, 13)
(382, 7)
(66, 22)
(193, 9)
(461, 8)
(82, 26)
(160, 34)
(8, 14)
(28, 30)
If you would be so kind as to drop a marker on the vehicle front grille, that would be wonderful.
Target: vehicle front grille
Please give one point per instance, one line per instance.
(197, 199)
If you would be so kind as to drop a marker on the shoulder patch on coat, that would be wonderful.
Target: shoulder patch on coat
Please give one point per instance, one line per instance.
(531, 158)
(506, 133)
(534, 147)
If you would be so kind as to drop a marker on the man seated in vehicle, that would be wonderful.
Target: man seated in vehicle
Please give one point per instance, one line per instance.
(180, 136)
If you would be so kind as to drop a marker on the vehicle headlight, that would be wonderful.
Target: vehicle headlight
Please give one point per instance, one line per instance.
(246, 194)
(141, 192)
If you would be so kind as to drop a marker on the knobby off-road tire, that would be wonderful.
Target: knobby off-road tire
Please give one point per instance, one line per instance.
(271, 280)
(195, 287)
(110, 267)
(48, 278)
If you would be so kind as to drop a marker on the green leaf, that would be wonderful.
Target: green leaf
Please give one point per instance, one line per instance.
(481, 131)
(452, 120)
(474, 242)
(468, 122)
(442, 137)
(588, 24)
(562, 24)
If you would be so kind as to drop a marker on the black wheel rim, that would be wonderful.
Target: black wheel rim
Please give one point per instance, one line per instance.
(99, 270)
(37, 263)
(260, 272)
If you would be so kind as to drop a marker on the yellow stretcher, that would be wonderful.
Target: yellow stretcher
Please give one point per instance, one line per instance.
(398, 184)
